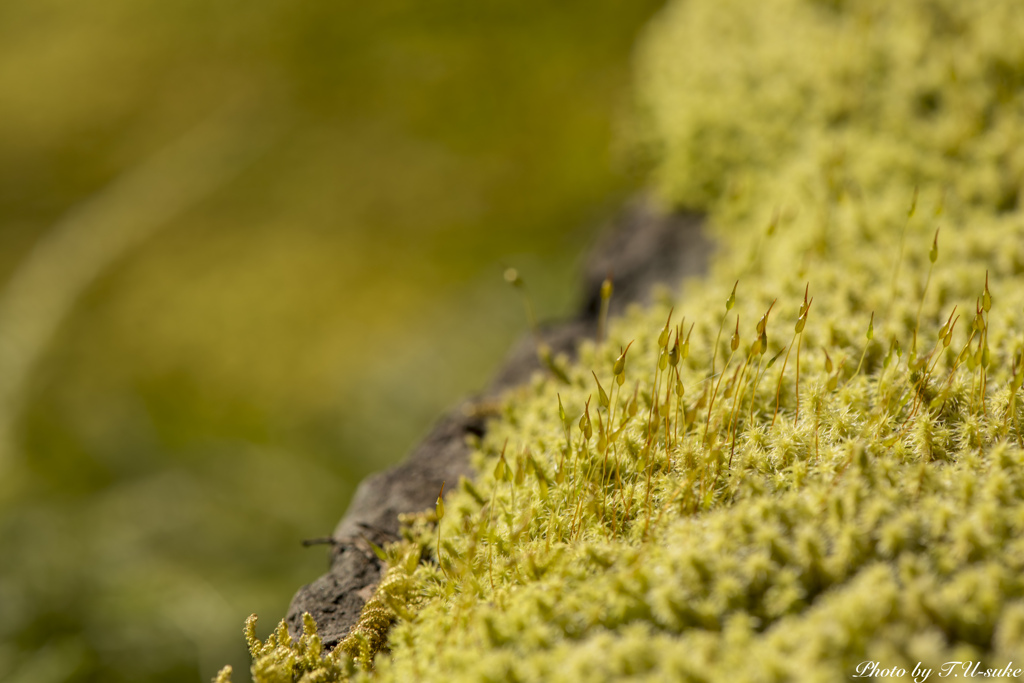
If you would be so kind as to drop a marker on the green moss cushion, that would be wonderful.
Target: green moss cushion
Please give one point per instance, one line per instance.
(832, 487)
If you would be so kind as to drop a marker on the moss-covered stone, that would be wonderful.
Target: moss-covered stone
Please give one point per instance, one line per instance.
(784, 495)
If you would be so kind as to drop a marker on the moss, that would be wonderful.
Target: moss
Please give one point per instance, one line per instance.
(783, 495)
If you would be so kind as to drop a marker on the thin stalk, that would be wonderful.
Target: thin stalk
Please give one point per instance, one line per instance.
(758, 374)
(647, 494)
(581, 476)
(798, 331)
(728, 307)
(679, 405)
(662, 356)
(866, 345)
(899, 255)
(984, 372)
(782, 373)
(499, 469)
(1011, 409)
(667, 412)
(439, 509)
(602, 318)
(932, 255)
(799, 343)
(714, 393)
(983, 312)
(735, 410)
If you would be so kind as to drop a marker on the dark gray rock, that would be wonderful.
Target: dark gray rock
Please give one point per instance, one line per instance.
(642, 247)
(336, 598)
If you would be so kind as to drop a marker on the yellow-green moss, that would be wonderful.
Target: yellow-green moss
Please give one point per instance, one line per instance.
(875, 509)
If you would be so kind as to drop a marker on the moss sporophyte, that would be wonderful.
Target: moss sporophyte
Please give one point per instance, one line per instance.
(724, 516)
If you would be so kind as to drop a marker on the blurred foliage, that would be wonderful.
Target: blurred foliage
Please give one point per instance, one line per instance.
(315, 200)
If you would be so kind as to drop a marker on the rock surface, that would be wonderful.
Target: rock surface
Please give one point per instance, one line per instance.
(642, 247)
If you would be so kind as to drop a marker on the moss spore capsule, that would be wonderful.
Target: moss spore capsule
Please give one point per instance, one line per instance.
(602, 397)
(585, 425)
(731, 301)
(439, 505)
(663, 337)
(944, 330)
(986, 298)
(619, 368)
(684, 350)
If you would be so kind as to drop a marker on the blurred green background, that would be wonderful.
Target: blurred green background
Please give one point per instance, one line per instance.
(248, 251)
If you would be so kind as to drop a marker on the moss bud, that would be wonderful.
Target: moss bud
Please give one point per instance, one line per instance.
(602, 397)
(663, 337)
(620, 363)
(986, 298)
(439, 505)
(731, 301)
(673, 354)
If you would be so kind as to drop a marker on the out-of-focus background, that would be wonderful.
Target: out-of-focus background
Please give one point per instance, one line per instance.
(248, 251)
